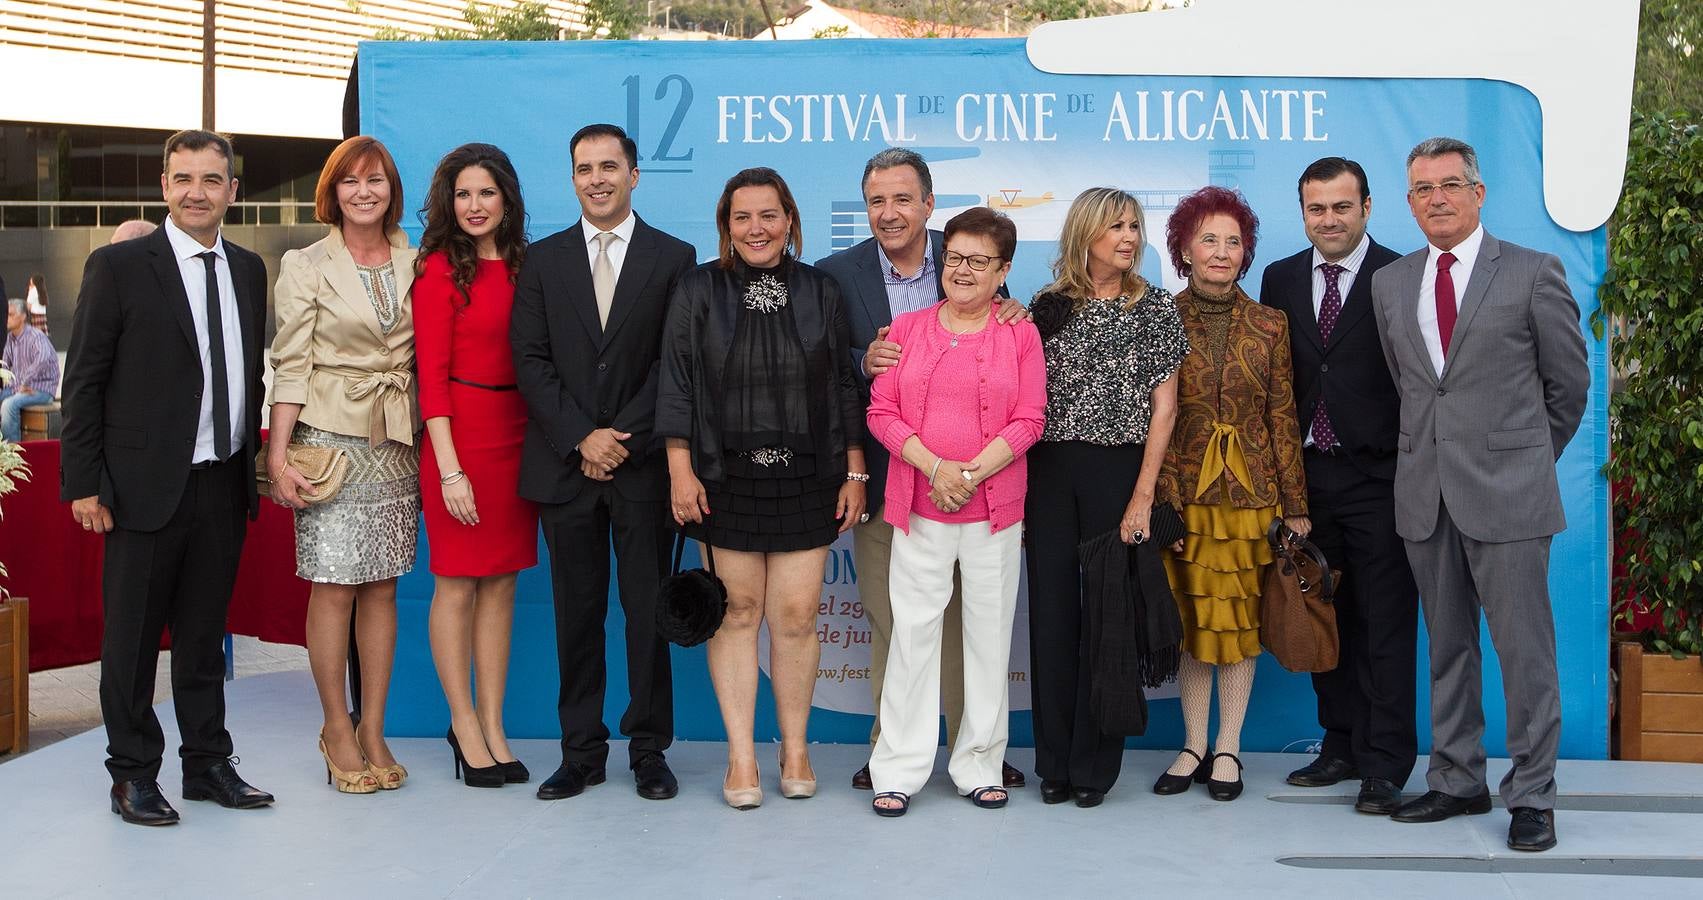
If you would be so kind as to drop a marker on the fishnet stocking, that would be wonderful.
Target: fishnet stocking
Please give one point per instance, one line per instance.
(1235, 684)
(1194, 683)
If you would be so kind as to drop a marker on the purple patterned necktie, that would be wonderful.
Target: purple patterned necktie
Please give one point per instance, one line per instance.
(1324, 436)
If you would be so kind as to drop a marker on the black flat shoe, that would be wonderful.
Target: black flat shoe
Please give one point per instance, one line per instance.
(140, 802)
(902, 804)
(515, 772)
(861, 780)
(1532, 829)
(222, 785)
(1225, 790)
(1012, 776)
(653, 779)
(490, 776)
(1435, 806)
(984, 797)
(1323, 772)
(570, 780)
(1054, 791)
(1176, 784)
(1088, 798)
(1378, 797)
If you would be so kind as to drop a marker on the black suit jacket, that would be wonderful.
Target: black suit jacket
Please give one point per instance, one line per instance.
(133, 380)
(577, 376)
(1349, 372)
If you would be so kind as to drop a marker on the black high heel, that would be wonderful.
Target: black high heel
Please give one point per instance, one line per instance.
(490, 776)
(1176, 784)
(1224, 790)
(514, 772)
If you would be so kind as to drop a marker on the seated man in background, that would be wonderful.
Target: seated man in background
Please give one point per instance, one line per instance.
(34, 365)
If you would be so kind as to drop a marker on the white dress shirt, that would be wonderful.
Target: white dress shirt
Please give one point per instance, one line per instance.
(194, 273)
(1466, 253)
(617, 248)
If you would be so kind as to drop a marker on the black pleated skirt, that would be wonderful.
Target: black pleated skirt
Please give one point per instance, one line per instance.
(762, 511)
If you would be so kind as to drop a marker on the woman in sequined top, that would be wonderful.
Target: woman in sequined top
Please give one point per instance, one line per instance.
(1233, 465)
(343, 378)
(1113, 343)
(761, 413)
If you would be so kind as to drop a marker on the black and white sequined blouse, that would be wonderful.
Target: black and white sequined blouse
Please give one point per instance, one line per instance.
(1103, 363)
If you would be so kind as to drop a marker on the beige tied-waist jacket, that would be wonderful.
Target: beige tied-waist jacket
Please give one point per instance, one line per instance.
(331, 355)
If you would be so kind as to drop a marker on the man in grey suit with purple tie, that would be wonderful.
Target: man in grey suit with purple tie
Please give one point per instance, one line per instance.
(1482, 338)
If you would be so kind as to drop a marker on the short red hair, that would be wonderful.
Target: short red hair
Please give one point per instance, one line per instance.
(347, 157)
(1196, 208)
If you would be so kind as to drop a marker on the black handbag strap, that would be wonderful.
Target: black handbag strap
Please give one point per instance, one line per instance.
(1285, 542)
(680, 550)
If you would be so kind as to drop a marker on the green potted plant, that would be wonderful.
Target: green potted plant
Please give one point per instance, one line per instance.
(1652, 307)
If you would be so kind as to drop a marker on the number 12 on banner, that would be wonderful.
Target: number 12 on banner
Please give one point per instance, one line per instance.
(664, 151)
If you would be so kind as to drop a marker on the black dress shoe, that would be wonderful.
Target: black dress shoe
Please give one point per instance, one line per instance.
(1224, 790)
(1378, 796)
(1012, 776)
(1532, 829)
(653, 779)
(1087, 798)
(1435, 806)
(222, 785)
(1323, 772)
(140, 802)
(861, 780)
(1054, 791)
(570, 780)
(1176, 784)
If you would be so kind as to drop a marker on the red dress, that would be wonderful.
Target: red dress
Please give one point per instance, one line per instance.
(467, 373)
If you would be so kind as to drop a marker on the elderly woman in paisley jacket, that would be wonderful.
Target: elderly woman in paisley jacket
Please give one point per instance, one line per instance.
(1113, 342)
(1234, 463)
(762, 415)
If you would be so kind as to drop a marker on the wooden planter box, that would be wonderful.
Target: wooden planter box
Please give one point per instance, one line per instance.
(1660, 706)
(14, 674)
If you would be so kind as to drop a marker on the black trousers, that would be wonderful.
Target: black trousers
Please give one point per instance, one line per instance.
(1366, 704)
(578, 534)
(1077, 490)
(178, 578)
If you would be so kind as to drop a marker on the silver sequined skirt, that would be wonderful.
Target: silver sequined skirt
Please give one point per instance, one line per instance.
(367, 532)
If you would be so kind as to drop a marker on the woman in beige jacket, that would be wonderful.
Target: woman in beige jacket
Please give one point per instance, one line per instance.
(343, 377)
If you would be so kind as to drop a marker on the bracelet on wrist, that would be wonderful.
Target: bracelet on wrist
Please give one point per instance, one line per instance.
(860, 477)
(936, 470)
(452, 478)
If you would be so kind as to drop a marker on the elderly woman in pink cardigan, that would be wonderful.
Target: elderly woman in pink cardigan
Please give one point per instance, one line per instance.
(963, 405)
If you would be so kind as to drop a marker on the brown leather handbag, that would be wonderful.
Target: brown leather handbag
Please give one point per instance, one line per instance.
(323, 467)
(1297, 613)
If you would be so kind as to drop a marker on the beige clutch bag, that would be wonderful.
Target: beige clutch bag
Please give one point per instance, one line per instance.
(323, 467)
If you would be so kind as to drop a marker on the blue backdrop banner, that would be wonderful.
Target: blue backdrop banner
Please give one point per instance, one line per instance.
(997, 132)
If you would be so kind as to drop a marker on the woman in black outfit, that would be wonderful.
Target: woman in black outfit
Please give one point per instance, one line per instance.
(1113, 343)
(762, 415)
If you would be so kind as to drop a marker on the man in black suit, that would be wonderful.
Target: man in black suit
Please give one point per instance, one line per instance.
(896, 271)
(162, 422)
(1350, 424)
(589, 308)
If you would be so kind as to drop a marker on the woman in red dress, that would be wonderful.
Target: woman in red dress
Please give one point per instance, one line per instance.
(480, 531)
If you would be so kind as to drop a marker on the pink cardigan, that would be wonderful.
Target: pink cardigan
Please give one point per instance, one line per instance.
(1014, 403)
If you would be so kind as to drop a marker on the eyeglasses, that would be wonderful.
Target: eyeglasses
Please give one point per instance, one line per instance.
(978, 262)
(1451, 188)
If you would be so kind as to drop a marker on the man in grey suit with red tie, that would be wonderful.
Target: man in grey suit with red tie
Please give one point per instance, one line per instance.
(1482, 338)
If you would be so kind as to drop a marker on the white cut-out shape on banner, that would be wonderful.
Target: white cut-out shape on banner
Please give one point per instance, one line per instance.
(1575, 56)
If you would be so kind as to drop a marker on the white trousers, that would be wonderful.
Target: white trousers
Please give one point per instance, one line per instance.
(920, 585)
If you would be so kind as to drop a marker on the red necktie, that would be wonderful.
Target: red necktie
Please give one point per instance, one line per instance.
(1445, 301)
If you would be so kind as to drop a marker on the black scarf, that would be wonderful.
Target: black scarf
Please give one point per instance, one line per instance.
(1133, 635)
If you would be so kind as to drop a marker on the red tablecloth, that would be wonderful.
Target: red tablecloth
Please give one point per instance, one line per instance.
(57, 565)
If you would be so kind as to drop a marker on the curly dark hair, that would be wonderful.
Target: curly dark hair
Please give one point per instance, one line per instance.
(444, 233)
(1195, 209)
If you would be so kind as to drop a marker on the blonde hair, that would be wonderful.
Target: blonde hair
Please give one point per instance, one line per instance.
(1091, 213)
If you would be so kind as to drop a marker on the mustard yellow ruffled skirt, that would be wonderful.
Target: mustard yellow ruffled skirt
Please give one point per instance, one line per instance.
(1217, 577)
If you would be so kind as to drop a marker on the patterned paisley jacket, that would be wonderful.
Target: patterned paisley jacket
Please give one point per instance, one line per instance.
(1250, 390)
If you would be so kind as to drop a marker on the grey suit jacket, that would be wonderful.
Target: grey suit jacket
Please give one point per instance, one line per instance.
(1485, 434)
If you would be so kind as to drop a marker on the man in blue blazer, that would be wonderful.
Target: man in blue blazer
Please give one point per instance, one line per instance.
(896, 271)
(1349, 426)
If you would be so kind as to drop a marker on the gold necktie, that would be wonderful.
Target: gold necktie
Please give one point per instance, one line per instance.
(603, 277)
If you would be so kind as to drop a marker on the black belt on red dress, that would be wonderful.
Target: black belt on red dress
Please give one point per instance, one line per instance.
(485, 387)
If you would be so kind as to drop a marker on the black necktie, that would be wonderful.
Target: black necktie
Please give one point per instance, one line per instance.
(216, 350)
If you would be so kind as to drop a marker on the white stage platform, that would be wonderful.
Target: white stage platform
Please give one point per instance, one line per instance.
(1626, 829)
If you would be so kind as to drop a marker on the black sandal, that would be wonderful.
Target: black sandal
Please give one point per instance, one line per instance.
(979, 797)
(891, 812)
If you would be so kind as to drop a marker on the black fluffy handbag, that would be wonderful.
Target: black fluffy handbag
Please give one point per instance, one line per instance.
(690, 605)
